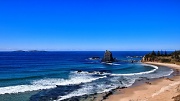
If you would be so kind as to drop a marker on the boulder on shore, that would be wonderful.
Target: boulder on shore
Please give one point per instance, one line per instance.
(108, 58)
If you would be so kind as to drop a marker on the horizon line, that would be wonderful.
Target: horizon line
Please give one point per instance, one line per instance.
(73, 50)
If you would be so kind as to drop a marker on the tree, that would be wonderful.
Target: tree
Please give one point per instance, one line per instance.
(165, 53)
(158, 53)
(162, 53)
(153, 53)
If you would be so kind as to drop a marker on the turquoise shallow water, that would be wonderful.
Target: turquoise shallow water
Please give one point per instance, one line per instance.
(39, 76)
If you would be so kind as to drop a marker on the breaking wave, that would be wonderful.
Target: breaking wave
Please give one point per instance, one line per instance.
(140, 73)
(47, 84)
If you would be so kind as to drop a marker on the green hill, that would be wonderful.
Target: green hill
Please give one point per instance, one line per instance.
(163, 57)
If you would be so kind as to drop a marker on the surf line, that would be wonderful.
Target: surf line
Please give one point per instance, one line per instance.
(140, 73)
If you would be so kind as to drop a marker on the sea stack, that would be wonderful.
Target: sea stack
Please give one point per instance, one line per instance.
(108, 58)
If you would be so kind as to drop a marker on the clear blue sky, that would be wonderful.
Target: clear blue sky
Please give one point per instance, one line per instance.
(90, 24)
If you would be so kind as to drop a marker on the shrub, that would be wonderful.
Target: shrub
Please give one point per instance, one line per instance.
(165, 60)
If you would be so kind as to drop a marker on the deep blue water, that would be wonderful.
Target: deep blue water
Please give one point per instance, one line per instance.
(31, 75)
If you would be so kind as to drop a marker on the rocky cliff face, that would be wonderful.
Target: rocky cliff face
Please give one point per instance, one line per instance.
(108, 57)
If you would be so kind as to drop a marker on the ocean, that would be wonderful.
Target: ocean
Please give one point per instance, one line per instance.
(56, 76)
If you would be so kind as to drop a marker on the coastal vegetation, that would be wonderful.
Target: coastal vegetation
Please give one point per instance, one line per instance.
(163, 56)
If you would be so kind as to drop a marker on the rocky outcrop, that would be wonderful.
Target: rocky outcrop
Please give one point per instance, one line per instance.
(108, 57)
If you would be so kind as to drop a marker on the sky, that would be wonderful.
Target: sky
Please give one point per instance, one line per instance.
(74, 25)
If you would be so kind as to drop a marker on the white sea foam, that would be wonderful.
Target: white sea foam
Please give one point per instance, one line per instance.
(160, 74)
(100, 88)
(91, 73)
(79, 92)
(109, 63)
(46, 84)
(72, 80)
(116, 64)
(140, 73)
(22, 88)
(112, 64)
(129, 81)
(96, 88)
(88, 89)
(170, 72)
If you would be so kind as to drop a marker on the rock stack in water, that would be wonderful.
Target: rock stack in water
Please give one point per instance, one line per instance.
(108, 57)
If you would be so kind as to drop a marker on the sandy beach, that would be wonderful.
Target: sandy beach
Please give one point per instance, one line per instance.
(163, 89)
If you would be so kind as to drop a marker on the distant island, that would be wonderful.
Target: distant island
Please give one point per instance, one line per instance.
(29, 51)
(163, 57)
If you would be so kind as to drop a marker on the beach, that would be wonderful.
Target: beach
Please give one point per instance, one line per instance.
(75, 76)
(162, 89)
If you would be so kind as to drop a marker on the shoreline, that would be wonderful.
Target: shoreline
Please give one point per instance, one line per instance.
(140, 87)
(151, 90)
